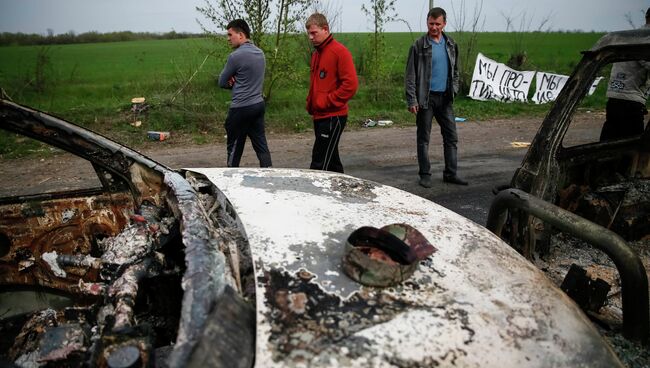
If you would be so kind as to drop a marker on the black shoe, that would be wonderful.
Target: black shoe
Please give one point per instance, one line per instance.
(454, 180)
(425, 181)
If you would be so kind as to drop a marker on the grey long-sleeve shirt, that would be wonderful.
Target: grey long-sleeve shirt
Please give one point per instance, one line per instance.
(630, 80)
(247, 65)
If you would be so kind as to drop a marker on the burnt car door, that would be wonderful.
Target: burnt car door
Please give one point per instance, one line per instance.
(569, 166)
(597, 191)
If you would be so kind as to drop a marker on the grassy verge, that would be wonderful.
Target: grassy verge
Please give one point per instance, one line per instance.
(92, 85)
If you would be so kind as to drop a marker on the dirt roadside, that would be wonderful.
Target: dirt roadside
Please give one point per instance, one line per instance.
(383, 154)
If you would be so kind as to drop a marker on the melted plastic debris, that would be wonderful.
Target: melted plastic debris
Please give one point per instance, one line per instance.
(623, 207)
(125, 290)
(28, 339)
(50, 259)
(134, 242)
(60, 342)
(129, 245)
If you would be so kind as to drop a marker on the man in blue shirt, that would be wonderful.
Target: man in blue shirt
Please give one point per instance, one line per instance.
(244, 74)
(431, 82)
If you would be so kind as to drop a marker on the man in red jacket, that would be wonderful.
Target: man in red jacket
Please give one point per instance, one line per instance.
(333, 81)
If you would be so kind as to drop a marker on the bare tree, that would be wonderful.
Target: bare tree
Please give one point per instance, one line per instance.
(331, 10)
(380, 12)
(255, 12)
(290, 13)
(629, 18)
(518, 54)
(269, 30)
(219, 15)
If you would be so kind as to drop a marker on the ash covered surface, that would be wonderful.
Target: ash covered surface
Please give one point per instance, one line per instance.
(566, 250)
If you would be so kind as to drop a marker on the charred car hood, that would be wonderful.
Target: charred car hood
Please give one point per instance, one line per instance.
(474, 302)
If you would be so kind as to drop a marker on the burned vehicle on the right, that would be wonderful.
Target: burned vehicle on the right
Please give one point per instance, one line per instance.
(579, 207)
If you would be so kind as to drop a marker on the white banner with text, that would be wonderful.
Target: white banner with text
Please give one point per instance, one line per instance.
(549, 85)
(496, 81)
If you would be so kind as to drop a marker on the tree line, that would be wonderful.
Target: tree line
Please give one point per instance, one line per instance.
(22, 39)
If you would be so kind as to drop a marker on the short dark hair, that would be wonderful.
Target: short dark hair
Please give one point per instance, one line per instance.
(437, 12)
(647, 13)
(240, 25)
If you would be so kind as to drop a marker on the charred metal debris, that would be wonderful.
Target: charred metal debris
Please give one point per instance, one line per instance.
(586, 206)
(135, 259)
(115, 287)
(134, 301)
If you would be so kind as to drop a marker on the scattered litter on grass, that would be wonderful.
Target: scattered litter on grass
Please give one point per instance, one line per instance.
(138, 105)
(460, 120)
(369, 123)
(520, 144)
(157, 136)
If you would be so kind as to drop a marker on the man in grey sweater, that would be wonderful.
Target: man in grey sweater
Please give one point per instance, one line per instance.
(244, 74)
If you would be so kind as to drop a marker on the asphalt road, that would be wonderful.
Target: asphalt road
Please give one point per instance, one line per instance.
(489, 153)
(487, 158)
(484, 171)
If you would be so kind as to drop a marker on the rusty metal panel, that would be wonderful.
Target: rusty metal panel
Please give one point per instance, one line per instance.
(65, 226)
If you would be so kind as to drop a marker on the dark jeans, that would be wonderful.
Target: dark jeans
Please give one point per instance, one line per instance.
(623, 119)
(440, 107)
(325, 154)
(242, 122)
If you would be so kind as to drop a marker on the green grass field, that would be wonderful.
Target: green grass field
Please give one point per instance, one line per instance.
(92, 84)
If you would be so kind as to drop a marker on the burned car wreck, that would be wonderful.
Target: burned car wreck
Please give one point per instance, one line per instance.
(579, 207)
(246, 267)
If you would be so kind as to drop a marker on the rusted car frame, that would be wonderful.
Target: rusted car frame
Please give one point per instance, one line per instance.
(634, 279)
(555, 174)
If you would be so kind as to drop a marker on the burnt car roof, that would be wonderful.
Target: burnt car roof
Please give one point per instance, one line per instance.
(622, 38)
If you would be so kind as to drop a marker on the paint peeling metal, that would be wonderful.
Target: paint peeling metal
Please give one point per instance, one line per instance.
(473, 303)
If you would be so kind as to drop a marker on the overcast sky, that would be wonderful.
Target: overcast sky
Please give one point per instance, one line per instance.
(36, 16)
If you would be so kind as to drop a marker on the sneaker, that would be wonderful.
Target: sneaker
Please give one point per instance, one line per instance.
(454, 180)
(426, 181)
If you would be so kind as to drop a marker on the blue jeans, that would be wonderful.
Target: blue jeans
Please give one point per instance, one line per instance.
(441, 107)
(242, 122)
